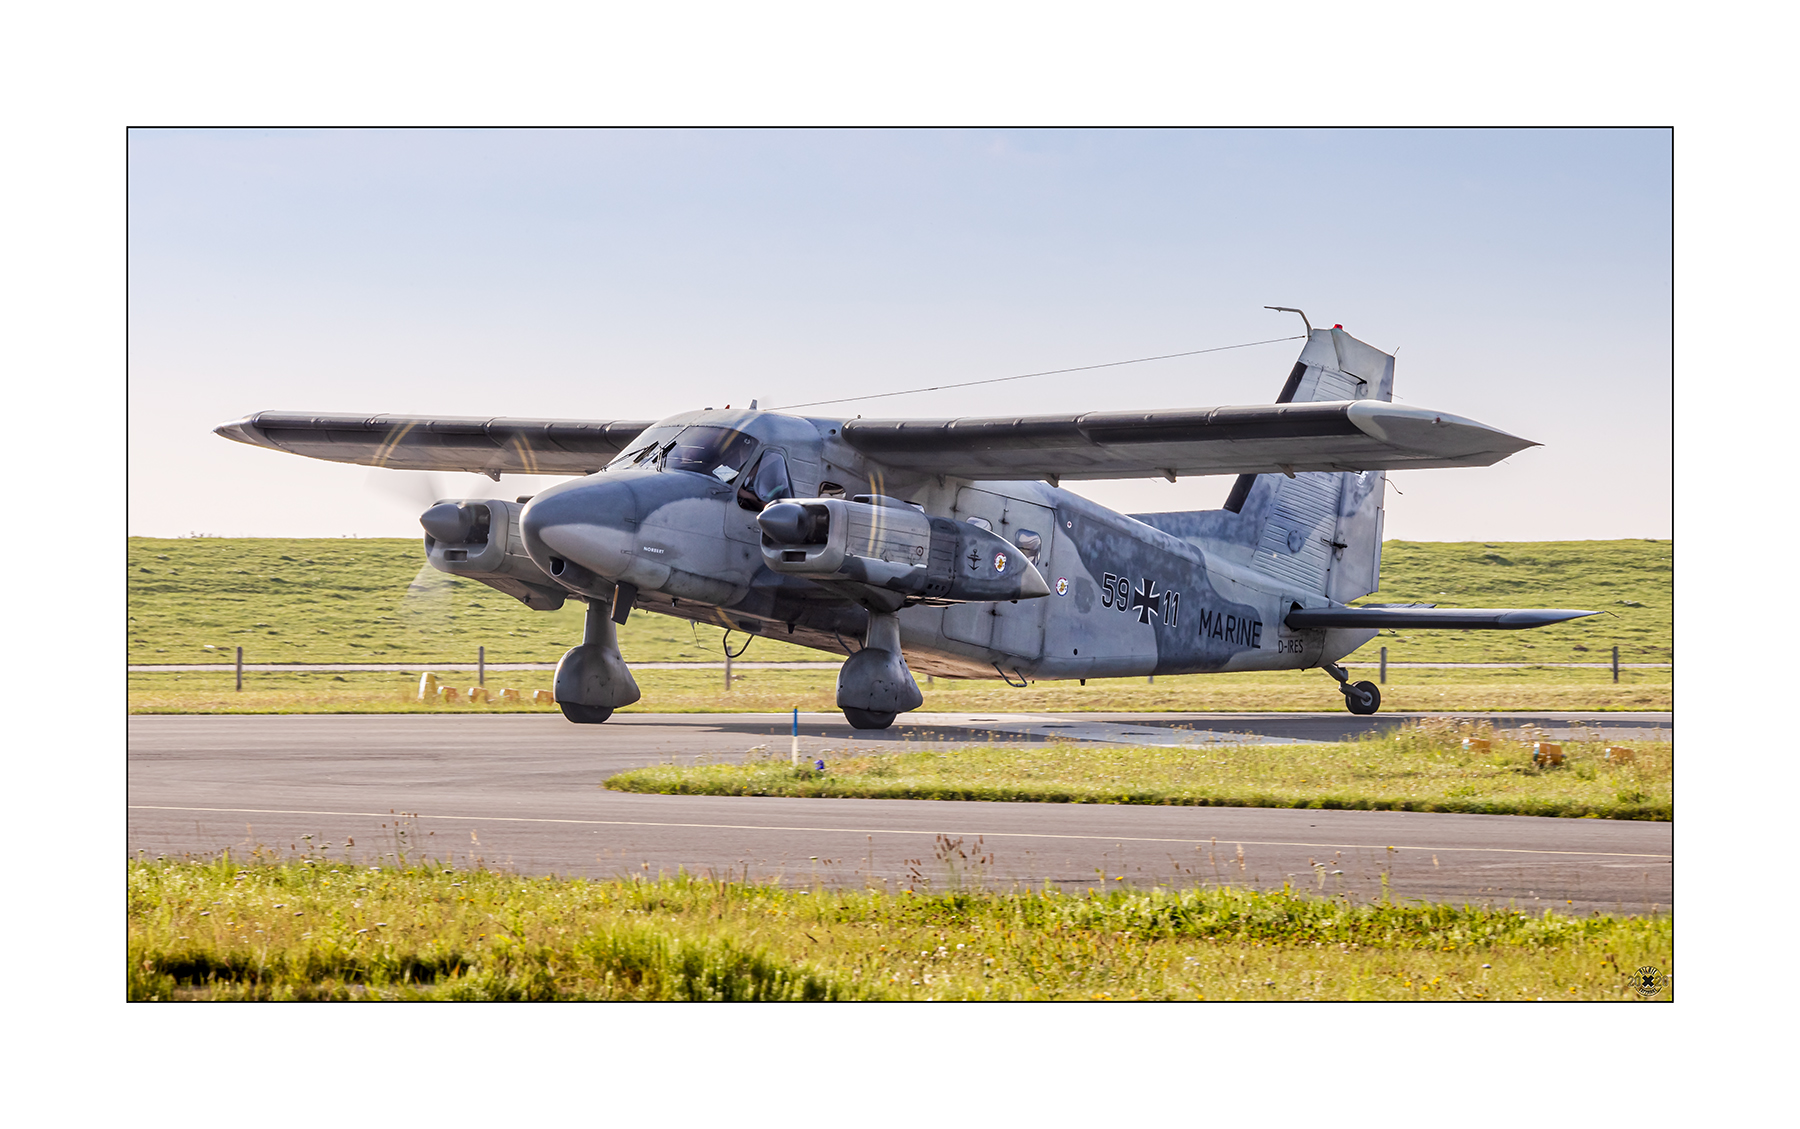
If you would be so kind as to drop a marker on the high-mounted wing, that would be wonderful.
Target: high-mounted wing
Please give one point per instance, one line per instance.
(1352, 435)
(483, 446)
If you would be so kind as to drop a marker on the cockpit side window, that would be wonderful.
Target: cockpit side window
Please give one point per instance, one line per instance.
(769, 482)
(719, 451)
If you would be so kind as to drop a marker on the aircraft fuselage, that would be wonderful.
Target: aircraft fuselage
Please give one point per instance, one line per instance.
(1124, 598)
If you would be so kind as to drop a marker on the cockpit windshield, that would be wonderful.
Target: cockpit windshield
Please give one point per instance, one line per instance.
(645, 447)
(719, 451)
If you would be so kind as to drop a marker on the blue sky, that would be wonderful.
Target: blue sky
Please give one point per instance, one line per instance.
(1523, 276)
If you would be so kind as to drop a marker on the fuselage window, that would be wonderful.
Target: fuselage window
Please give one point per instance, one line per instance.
(1030, 543)
(718, 451)
(768, 483)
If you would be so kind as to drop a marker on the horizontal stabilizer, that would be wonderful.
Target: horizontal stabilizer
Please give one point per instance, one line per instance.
(1465, 619)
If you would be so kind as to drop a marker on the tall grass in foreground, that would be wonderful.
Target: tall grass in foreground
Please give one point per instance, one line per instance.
(1422, 766)
(316, 931)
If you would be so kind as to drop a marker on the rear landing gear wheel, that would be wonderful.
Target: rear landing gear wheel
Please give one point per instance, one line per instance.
(868, 719)
(1362, 698)
(585, 715)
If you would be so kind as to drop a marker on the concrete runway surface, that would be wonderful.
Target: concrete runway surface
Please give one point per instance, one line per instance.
(524, 792)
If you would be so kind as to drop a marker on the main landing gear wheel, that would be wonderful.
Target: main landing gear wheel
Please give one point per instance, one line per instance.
(585, 715)
(1362, 698)
(868, 719)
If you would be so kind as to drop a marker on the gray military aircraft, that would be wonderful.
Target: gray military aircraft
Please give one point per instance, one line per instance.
(947, 545)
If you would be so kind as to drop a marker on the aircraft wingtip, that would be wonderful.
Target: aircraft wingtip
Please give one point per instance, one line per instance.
(242, 430)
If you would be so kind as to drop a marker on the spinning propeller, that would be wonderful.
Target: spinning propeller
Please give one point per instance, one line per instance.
(425, 611)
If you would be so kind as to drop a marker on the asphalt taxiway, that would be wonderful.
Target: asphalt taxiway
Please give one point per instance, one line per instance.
(525, 792)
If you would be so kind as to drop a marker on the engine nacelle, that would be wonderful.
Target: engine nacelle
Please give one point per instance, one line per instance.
(479, 538)
(887, 544)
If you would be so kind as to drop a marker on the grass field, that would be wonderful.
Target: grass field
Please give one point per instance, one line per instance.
(1631, 581)
(347, 600)
(1420, 767)
(776, 691)
(320, 930)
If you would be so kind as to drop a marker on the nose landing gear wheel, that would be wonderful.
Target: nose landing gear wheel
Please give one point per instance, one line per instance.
(585, 715)
(1363, 698)
(868, 719)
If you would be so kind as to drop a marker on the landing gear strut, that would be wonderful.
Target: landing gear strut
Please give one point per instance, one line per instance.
(592, 680)
(874, 685)
(1361, 698)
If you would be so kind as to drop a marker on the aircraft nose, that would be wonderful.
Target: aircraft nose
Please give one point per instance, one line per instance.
(590, 522)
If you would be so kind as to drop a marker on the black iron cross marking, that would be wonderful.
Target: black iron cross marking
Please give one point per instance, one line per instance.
(1147, 601)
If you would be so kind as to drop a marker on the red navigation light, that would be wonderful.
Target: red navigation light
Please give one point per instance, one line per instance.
(1340, 325)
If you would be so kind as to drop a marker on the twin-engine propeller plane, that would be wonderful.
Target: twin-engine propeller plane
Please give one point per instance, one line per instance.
(946, 545)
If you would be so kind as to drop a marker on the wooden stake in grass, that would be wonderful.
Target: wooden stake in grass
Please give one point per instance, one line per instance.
(240, 668)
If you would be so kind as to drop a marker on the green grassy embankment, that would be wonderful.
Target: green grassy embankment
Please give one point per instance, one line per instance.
(1419, 767)
(347, 600)
(352, 600)
(1631, 581)
(317, 930)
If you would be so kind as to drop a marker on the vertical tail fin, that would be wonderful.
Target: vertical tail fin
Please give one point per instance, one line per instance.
(1316, 531)
(1322, 532)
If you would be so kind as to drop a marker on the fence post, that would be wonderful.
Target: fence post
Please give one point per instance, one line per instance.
(1615, 662)
(1384, 666)
(481, 666)
(240, 667)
